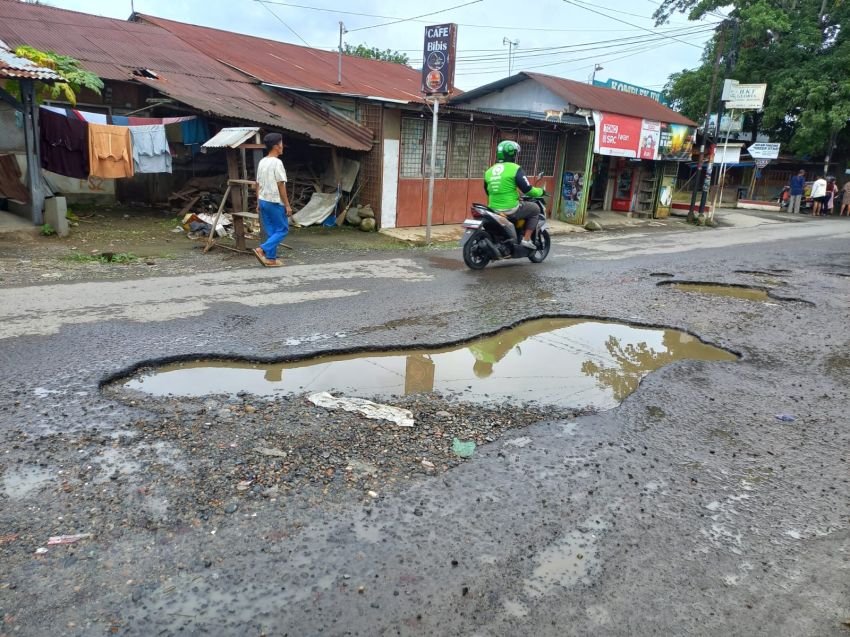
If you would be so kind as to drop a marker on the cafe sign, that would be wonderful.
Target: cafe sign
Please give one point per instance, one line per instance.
(438, 67)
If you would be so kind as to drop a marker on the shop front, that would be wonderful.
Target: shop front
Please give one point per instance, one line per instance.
(635, 163)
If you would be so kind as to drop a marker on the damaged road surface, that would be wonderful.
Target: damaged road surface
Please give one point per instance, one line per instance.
(700, 497)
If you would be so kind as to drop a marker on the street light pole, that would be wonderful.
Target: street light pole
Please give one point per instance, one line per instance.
(342, 31)
(596, 67)
(510, 44)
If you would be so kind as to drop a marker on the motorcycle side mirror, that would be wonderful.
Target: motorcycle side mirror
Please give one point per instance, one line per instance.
(539, 175)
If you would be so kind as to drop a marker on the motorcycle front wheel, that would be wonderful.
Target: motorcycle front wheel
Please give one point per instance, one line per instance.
(543, 243)
(475, 254)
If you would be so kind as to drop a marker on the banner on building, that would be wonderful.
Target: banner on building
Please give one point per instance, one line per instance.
(438, 68)
(624, 136)
(625, 87)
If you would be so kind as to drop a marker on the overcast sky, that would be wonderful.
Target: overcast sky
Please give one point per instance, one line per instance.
(557, 37)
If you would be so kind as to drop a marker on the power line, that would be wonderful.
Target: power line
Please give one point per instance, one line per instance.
(610, 17)
(460, 24)
(416, 17)
(279, 19)
(583, 46)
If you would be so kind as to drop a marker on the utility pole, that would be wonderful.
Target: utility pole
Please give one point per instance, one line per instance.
(700, 177)
(731, 58)
(342, 31)
(510, 44)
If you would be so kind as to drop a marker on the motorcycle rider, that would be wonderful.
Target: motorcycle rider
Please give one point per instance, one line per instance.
(502, 182)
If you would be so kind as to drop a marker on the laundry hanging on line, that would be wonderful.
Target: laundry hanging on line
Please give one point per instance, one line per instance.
(110, 151)
(63, 144)
(117, 120)
(150, 149)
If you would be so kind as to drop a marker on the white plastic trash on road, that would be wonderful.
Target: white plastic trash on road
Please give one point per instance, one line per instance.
(375, 411)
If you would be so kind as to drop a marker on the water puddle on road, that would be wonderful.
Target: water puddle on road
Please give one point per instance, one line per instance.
(734, 291)
(564, 362)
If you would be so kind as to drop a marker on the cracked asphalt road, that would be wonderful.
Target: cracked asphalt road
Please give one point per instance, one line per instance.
(690, 509)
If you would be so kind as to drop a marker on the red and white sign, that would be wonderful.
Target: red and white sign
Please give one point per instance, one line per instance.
(616, 135)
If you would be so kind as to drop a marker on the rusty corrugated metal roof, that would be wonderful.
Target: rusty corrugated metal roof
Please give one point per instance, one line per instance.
(298, 67)
(580, 95)
(247, 102)
(117, 50)
(599, 98)
(105, 46)
(18, 68)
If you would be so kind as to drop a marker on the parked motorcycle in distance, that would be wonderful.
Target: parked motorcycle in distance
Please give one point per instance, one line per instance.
(489, 236)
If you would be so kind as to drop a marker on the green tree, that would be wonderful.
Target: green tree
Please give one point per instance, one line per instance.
(374, 53)
(76, 78)
(799, 48)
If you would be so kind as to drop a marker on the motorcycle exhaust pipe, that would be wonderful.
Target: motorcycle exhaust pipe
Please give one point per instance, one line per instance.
(492, 249)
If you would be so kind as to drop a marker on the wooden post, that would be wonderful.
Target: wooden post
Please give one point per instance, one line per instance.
(237, 198)
(211, 238)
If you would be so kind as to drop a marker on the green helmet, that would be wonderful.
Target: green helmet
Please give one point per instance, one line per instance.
(507, 150)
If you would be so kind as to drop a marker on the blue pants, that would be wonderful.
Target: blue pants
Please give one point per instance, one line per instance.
(276, 225)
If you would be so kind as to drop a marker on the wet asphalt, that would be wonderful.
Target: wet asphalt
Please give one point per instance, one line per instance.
(690, 509)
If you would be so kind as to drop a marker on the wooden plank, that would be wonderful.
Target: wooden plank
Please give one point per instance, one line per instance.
(241, 182)
(189, 206)
(211, 238)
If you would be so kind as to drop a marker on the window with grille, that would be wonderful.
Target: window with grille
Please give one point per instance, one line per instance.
(442, 150)
(547, 154)
(481, 156)
(461, 145)
(412, 147)
(528, 152)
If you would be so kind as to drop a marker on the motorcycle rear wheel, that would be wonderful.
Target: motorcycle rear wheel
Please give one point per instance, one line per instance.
(475, 254)
(543, 243)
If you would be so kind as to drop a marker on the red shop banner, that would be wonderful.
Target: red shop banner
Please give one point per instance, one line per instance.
(617, 135)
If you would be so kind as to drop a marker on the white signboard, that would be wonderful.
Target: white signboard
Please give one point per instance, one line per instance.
(764, 151)
(730, 155)
(762, 163)
(743, 96)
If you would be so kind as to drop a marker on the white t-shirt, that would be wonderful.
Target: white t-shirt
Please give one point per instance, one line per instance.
(270, 172)
(819, 188)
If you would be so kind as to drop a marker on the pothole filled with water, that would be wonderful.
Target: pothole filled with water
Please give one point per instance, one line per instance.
(563, 362)
(747, 292)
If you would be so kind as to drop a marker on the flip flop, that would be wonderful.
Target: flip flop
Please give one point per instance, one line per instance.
(258, 252)
(273, 263)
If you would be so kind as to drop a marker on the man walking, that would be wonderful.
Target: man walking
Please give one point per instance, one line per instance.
(798, 185)
(272, 201)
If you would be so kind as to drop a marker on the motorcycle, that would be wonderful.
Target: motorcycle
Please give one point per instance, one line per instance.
(489, 236)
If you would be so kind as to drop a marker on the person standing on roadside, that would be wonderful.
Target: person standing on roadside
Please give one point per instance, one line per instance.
(798, 185)
(818, 195)
(845, 199)
(831, 191)
(272, 201)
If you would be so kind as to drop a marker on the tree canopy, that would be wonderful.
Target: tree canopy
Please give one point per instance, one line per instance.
(374, 53)
(799, 48)
(76, 78)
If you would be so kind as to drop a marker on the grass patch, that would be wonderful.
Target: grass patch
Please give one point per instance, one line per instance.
(106, 257)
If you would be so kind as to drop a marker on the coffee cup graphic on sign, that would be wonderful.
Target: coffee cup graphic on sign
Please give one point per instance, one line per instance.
(436, 60)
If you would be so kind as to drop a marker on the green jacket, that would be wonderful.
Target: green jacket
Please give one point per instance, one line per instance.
(501, 182)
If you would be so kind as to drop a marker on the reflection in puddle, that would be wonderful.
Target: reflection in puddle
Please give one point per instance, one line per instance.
(734, 291)
(566, 362)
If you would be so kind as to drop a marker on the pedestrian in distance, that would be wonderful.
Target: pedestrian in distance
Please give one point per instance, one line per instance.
(831, 191)
(272, 201)
(845, 200)
(798, 185)
(818, 196)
